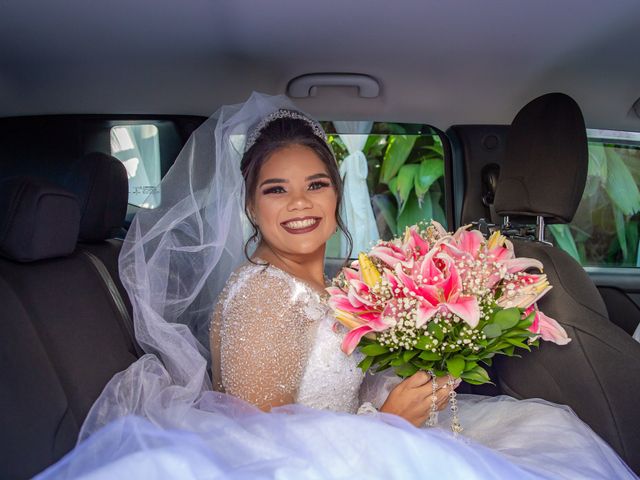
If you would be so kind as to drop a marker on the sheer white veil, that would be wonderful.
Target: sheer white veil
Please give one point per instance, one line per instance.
(174, 262)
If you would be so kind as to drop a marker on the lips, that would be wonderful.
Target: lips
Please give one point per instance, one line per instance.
(301, 224)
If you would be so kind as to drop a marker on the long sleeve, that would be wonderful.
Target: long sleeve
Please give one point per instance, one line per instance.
(264, 340)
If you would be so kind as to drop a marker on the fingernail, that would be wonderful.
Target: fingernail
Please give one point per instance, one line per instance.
(457, 382)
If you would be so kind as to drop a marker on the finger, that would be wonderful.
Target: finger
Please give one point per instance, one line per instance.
(418, 379)
(427, 389)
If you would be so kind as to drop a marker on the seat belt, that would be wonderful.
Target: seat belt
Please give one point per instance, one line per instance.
(116, 297)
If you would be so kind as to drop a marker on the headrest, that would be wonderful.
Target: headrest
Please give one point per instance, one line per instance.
(101, 185)
(545, 166)
(38, 220)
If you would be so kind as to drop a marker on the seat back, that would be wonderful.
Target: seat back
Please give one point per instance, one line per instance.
(64, 337)
(598, 373)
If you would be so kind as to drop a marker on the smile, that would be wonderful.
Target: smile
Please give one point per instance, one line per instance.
(301, 225)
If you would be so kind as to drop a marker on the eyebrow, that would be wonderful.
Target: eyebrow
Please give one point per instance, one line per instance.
(284, 180)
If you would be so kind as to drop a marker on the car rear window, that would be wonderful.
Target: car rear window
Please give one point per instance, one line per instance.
(138, 148)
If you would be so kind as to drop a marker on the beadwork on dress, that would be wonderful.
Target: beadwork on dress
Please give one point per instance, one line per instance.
(273, 342)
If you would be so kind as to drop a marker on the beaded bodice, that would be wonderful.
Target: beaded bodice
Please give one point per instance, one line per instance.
(274, 341)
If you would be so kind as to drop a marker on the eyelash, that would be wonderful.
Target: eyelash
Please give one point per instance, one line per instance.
(312, 186)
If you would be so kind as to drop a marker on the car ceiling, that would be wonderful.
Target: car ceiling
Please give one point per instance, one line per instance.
(439, 62)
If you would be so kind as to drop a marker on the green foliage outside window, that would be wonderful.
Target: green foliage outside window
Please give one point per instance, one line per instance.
(604, 231)
(405, 180)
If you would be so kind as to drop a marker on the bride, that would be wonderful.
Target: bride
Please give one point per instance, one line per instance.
(284, 395)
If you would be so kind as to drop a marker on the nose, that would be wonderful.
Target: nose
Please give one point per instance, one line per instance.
(299, 201)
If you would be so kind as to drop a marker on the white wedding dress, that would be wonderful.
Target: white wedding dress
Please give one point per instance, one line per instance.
(271, 329)
(275, 339)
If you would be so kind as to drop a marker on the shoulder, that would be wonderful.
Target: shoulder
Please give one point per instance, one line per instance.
(264, 289)
(255, 284)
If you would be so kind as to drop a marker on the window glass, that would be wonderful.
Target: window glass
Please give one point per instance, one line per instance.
(393, 176)
(138, 148)
(604, 231)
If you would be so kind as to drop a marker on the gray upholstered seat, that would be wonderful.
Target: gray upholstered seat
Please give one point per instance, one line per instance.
(63, 336)
(598, 373)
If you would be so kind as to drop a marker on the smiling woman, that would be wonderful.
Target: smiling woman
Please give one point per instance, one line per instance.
(292, 194)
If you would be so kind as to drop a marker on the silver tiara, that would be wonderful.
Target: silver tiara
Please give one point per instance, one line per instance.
(283, 113)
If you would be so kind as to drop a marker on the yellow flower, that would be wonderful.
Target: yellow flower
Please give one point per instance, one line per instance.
(347, 319)
(495, 240)
(370, 274)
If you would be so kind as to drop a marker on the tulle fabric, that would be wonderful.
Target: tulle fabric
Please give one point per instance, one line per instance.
(227, 438)
(541, 437)
(174, 263)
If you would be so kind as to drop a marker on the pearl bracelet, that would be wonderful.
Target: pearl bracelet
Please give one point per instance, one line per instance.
(367, 408)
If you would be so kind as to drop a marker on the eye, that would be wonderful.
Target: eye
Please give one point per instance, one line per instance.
(276, 189)
(317, 185)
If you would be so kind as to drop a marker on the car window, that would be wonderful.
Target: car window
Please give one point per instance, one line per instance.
(138, 148)
(393, 177)
(604, 231)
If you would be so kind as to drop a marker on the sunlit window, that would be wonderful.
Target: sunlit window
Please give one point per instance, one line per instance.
(138, 148)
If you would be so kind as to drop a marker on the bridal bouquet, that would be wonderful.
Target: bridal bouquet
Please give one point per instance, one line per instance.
(442, 303)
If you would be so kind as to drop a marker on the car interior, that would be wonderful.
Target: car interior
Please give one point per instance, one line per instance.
(533, 111)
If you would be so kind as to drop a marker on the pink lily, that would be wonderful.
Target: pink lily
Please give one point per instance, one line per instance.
(547, 328)
(444, 295)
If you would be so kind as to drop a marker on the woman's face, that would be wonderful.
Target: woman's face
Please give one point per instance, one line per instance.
(295, 202)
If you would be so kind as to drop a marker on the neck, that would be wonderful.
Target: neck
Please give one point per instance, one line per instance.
(307, 267)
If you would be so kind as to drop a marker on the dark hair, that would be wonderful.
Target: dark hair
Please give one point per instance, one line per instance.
(278, 134)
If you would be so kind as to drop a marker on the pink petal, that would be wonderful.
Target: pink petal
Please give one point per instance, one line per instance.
(452, 285)
(405, 280)
(424, 313)
(333, 291)
(551, 331)
(342, 302)
(467, 309)
(470, 241)
(387, 255)
(439, 228)
(519, 264)
(351, 274)
(352, 339)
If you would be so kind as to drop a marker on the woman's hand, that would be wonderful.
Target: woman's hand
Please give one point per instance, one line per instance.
(411, 399)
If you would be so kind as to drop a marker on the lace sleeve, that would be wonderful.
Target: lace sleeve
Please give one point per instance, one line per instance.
(264, 335)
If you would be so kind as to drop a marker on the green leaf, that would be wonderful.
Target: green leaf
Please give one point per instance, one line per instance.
(470, 365)
(518, 343)
(406, 370)
(365, 364)
(404, 185)
(455, 365)
(620, 186)
(396, 362)
(621, 232)
(428, 172)
(398, 150)
(492, 330)
(423, 343)
(507, 318)
(409, 354)
(414, 212)
(393, 188)
(374, 349)
(526, 322)
(430, 356)
(387, 208)
(564, 239)
(436, 330)
(476, 376)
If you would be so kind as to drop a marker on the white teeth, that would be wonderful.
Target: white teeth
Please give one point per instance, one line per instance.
(301, 223)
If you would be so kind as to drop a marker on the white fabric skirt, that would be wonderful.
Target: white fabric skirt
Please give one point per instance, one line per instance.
(226, 438)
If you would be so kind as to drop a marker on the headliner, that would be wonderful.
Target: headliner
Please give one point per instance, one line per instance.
(438, 62)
